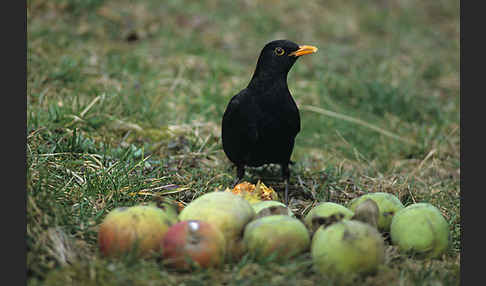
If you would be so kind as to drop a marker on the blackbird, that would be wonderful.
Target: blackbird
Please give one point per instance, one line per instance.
(260, 122)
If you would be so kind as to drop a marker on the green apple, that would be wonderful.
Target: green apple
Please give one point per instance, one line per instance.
(367, 212)
(388, 205)
(276, 236)
(226, 211)
(265, 208)
(326, 214)
(347, 248)
(420, 229)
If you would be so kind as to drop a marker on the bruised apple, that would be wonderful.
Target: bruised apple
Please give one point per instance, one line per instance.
(367, 212)
(271, 207)
(388, 205)
(326, 214)
(347, 248)
(137, 230)
(193, 242)
(254, 193)
(227, 212)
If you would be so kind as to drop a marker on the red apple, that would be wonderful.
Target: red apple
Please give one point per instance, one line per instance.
(193, 241)
(137, 229)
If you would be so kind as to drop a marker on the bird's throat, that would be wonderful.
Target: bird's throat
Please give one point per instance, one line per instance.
(264, 82)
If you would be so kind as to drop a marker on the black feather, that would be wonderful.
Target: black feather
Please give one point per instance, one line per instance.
(261, 122)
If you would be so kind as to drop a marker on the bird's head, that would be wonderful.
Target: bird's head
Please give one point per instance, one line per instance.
(278, 57)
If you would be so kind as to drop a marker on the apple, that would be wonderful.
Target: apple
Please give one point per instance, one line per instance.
(388, 205)
(226, 211)
(367, 212)
(265, 208)
(137, 230)
(193, 241)
(346, 249)
(420, 229)
(254, 193)
(276, 237)
(326, 214)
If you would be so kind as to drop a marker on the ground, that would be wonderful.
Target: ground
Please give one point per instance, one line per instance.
(124, 106)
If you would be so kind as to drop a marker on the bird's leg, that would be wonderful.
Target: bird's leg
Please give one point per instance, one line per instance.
(287, 192)
(240, 173)
(286, 176)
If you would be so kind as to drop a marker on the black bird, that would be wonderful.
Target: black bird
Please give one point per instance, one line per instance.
(261, 121)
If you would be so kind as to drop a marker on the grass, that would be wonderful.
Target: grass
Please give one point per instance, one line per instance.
(125, 99)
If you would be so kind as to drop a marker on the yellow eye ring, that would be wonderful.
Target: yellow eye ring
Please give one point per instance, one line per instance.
(279, 51)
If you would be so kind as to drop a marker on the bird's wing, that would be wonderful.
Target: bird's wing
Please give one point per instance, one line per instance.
(293, 118)
(239, 127)
(240, 116)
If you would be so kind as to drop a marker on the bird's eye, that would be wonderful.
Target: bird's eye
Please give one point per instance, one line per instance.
(279, 51)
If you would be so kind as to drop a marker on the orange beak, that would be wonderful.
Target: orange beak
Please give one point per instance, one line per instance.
(304, 50)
